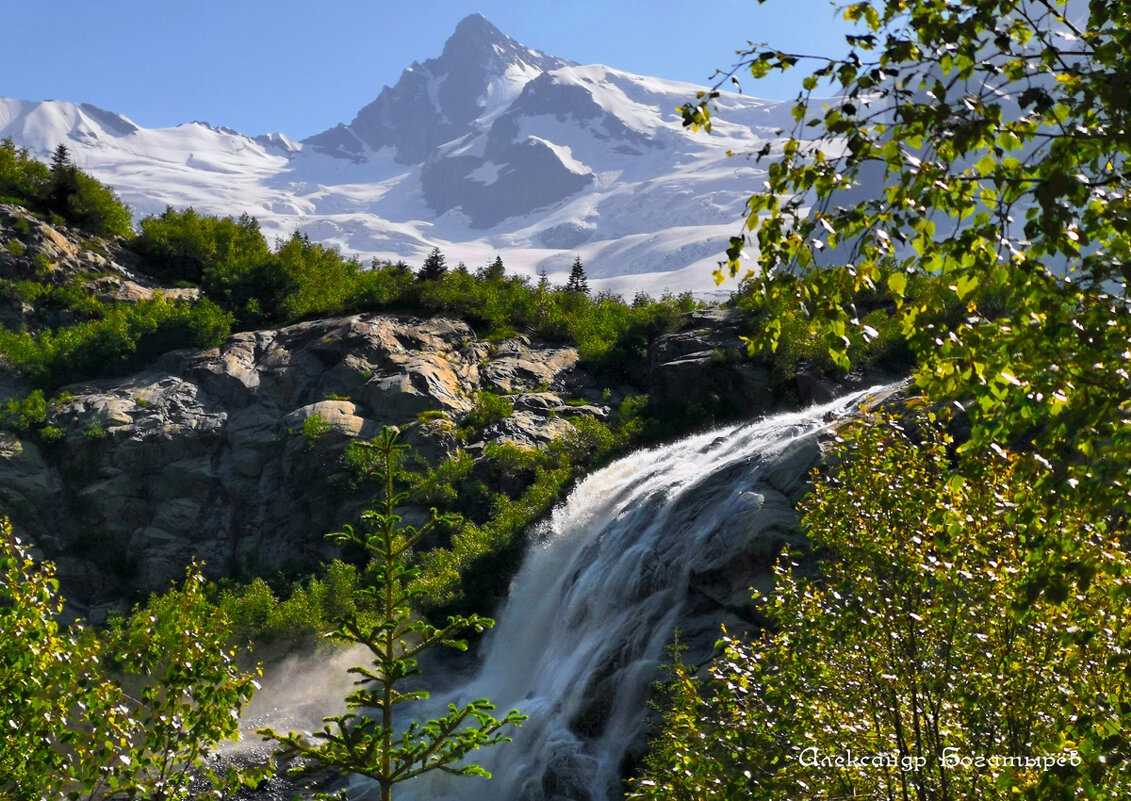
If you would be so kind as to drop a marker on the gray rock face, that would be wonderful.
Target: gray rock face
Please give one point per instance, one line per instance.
(528, 176)
(706, 362)
(229, 456)
(706, 359)
(518, 172)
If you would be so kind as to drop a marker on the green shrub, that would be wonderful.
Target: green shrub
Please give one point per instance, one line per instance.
(24, 414)
(95, 208)
(183, 246)
(129, 335)
(315, 428)
(131, 711)
(49, 435)
(489, 409)
(63, 191)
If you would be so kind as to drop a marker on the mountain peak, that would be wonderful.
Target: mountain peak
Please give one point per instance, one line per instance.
(477, 24)
(439, 100)
(476, 31)
(477, 44)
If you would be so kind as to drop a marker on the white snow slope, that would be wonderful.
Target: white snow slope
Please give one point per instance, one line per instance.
(542, 160)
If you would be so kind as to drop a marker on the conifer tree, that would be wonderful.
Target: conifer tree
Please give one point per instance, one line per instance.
(492, 272)
(577, 282)
(64, 181)
(364, 741)
(434, 267)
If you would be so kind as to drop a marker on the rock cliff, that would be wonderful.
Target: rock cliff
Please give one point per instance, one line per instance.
(705, 364)
(213, 455)
(232, 455)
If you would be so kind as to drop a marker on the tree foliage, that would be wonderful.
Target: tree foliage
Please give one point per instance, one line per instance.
(125, 337)
(63, 189)
(434, 266)
(366, 740)
(923, 643)
(577, 282)
(982, 146)
(495, 271)
(186, 246)
(73, 729)
(985, 144)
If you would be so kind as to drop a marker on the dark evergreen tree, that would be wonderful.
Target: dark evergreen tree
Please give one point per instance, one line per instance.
(577, 282)
(64, 181)
(61, 159)
(492, 272)
(434, 267)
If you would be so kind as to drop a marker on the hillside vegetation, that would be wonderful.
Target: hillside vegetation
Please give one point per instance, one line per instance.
(61, 190)
(191, 280)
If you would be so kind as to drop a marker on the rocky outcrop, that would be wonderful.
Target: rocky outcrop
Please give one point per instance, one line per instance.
(34, 249)
(706, 364)
(231, 455)
(706, 360)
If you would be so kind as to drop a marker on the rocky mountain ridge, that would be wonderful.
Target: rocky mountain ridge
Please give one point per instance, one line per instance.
(480, 69)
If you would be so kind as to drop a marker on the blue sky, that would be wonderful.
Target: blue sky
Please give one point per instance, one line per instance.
(299, 67)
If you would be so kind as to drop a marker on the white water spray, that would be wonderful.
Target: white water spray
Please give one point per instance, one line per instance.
(592, 608)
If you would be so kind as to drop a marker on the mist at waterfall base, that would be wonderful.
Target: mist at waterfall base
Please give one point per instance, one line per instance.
(578, 641)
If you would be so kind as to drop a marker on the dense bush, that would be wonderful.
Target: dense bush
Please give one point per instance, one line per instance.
(139, 710)
(236, 270)
(296, 616)
(934, 644)
(234, 267)
(184, 246)
(489, 409)
(62, 189)
(127, 336)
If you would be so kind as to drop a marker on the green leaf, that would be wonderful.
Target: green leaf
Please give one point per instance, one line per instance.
(965, 285)
(897, 284)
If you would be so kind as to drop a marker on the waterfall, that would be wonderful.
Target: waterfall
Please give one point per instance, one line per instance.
(578, 641)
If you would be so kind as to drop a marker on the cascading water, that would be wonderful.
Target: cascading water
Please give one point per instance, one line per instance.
(578, 641)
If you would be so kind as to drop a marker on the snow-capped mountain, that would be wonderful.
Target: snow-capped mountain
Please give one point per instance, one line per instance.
(490, 148)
